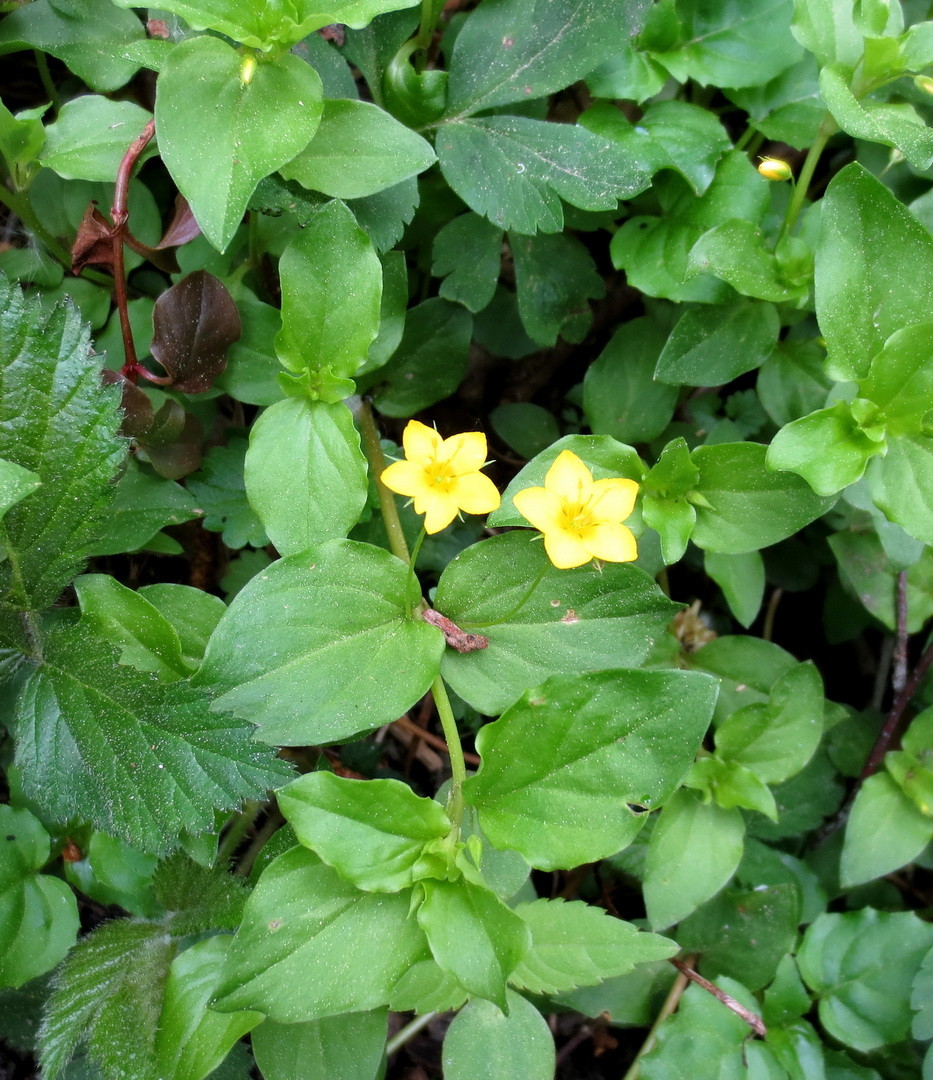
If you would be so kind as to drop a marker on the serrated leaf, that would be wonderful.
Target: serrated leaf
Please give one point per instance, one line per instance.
(220, 489)
(300, 912)
(57, 421)
(606, 744)
(576, 944)
(138, 758)
(515, 171)
(312, 681)
(467, 253)
(198, 898)
(15, 484)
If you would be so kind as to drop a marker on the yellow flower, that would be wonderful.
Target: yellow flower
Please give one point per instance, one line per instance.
(442, 475)
(581, 518)
(774, 169)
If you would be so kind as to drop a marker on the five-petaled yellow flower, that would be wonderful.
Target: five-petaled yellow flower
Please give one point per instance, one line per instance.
(581, 518)
(442, 475)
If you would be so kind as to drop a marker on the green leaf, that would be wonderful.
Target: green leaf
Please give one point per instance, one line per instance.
(393, 312)
(253, 23)
(108, 992)
(467, 253)
(732, 43)
(900, 125)
(331, 292)
(58, 422)
(743, 933)
(514, 50)
(665, 506)
(351, 1046)
(576, 944)
(606, 745)
(358, 149)
(349, 629)
(827, 28)
(621, 397)
(901, 484)
(736, 252)
(670, 135)
(526, 428)
(146, 639)
(137, 758)
(112, 872)
(198, 898)
(776, 740)
(305, 473)
(220, 489)
(789, 107)
(744, 504)
(693, 852)
(900, 379)
(485, 1041)
(300, 912)
(90, 37)
(866, 569)
(515, 171)
(730, 784)
(864, 231)
(862, 964)
(921, 999)
(555, 277)
(219, 153)
(629, 74)
(473, 935)
(430, 361)
(252, 366)
(884, 832)
(571, 621)
(192, 1039)
(91, 134)
(425, 988)
(742, 580)
(15, 484)
(38, 913)
(713, 345)
(372, 833)
(791, 382)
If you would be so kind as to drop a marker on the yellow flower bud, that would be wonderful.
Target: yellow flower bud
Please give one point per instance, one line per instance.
(774, 169)
(924, 83)
(246, 71)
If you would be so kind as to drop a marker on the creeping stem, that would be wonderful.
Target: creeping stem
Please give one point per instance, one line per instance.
(377, 462)
(827, 129)
(457, 764)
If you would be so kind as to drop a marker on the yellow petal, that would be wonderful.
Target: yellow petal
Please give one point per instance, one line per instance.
(565, 549)
(569, 477)
(406, 478)
(613, 500)
(439, 511)
(612, 543)
(420, 441)
(465, 453)
(540, 506)
(475, 493)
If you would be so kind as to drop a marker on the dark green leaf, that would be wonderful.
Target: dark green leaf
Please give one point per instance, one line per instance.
(792, 382)
(528, 429)
(198, 898)
(742, 580)
(789, 107)
(468, 255)
(220, 490)
(713, 345)
(866, 569)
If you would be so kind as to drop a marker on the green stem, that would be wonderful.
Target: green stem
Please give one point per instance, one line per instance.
(430, 13)
(408, 1032)
(746, 138)
(457, 764)
(47, 83)
(239, 827)
(515, 610)
(245, 864)
(377, 462)
(19, 205)
(670, 1004)
(827, 129)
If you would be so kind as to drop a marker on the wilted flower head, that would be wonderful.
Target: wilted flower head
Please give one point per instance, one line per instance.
(581, 518)
(442, 475)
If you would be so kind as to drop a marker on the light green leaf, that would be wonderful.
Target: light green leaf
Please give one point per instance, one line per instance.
(393, 312)
(485, 1041)
(901, 484)
(713, 345)
(192, 1039)
(827, 28)
(742, 580)
(570, 621)
(300, 912)
(358, 149)
(864, 231)
(350, 1047)
(468, 255)
(515, 171)
(140, 759)
(349, 629)
(473, 935)
(426, 987)
(693, 852)
(862, 964)
(514, 50)
(38, 913)
(900, 379)
(884, 832)
(744, 504)
(736, 252)
(305, 473)
(220, 142)
(730, 784)
(665, 506)
(372, 833)
(15, 484)
(90, 136)
(606, 745)
(576, 944)
(331, 293)
(252, 369)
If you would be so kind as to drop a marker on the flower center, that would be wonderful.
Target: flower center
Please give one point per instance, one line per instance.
(439, 475)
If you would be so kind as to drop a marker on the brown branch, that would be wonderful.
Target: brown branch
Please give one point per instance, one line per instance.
(899, 674)
(752, 1019)
(461, 640)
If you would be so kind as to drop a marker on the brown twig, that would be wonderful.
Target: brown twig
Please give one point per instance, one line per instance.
(670, 1004)
(461, 640)
(899, 672)
(752, 1019)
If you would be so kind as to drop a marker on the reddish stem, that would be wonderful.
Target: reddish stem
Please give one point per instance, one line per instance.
(752, 1019)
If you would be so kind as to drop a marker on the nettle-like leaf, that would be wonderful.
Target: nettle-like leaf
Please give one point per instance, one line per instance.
(138, 758)
(349, 628)
(57, 421)
(220, 489)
